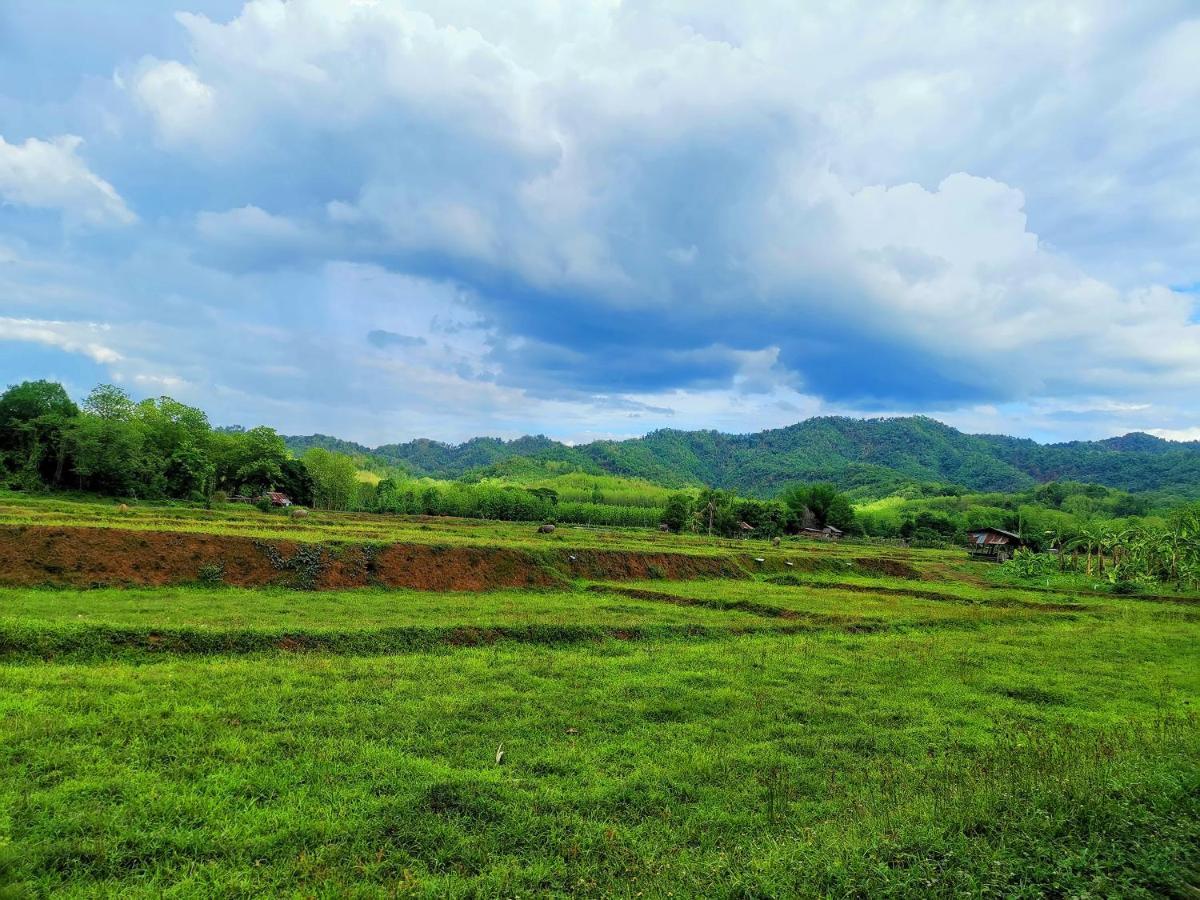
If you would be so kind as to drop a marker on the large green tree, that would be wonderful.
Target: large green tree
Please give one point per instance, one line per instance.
(106, 444)
(819, 505)
(334, 478)
(295, 481)
(248, 461)
(178, 448)
(679, 511)
(33, 418)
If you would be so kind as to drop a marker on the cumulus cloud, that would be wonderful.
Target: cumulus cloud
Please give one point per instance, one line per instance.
(249, 238)
(657, 210)
(600, 201)
(1177, 434)
(182, 105)
(51, 175)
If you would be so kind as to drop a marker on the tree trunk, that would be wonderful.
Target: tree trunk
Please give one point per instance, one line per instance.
(60, 463)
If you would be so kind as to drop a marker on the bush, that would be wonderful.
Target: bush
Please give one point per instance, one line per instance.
(213, 573)
(1027, 564)
(926, 537)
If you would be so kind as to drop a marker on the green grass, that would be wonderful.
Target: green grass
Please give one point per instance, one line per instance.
(893, 607)
(349, 610)
(244, 520)
(1009, 762)
(132, 623)
(800, 733)
(1081, 583)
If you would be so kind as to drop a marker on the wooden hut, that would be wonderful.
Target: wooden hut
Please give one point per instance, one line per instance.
(827, 533)
(993, 544)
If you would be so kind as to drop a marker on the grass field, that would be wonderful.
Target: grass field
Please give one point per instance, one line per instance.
(806, 733)
(244, 520)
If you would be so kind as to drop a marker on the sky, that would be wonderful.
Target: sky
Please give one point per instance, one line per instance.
(389, 219)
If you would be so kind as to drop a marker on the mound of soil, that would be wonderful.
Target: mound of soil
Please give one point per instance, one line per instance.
(93, 557)
(620, 565)
(827, 564)
(882, 565)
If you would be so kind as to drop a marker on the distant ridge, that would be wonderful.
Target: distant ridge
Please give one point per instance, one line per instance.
(869, 455)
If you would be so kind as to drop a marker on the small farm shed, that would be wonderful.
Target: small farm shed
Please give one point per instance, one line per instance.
(828, 533)
(278, 499)
(993, 543)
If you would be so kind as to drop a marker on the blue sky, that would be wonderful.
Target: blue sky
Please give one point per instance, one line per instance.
(446, 218)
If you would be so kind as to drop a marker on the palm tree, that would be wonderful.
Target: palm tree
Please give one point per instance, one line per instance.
(1087, 540)
(1110, 544)
(708, 508)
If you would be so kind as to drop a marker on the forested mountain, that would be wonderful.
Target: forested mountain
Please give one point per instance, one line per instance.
(870, 456)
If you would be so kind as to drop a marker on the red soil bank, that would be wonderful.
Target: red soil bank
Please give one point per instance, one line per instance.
(87, 557)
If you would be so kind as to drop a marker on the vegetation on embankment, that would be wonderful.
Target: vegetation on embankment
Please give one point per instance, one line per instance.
(89, 557)
(200, 619)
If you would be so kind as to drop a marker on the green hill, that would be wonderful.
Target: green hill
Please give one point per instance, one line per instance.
(869, 456)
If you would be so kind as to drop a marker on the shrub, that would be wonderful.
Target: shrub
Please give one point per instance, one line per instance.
(212, 573)
(1027, 564)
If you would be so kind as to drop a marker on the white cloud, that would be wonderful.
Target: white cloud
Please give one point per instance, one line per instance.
(246, 223)
(182, 105)
(956, 272)
(73, 337)
(50, 175)
(158, 381)
(1177, 434)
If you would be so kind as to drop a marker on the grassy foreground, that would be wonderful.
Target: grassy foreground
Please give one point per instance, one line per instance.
(811, 732)
(1054, 755)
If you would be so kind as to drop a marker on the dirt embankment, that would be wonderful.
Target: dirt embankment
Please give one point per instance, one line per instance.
(91, 557)
(623, 565)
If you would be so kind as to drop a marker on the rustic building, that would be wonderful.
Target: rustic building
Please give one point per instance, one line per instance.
(993, 543)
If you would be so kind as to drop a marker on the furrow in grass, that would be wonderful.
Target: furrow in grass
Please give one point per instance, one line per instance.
(814, 620)
(742, 606)
(32, 642)
(923, 594)
(83, 642)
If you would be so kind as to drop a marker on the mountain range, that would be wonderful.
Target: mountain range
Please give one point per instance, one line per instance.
(871, 457)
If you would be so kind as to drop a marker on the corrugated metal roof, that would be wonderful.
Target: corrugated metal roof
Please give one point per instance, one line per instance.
(991, 535)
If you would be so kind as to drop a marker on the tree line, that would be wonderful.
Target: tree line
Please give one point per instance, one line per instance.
(162, 449)
(155, 449)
